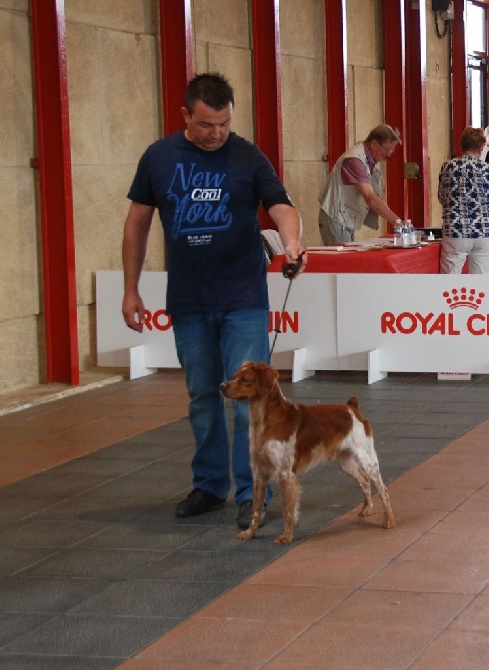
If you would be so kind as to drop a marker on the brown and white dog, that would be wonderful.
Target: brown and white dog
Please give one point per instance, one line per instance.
(287, 437)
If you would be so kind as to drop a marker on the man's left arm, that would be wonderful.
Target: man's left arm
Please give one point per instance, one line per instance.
(289, 225)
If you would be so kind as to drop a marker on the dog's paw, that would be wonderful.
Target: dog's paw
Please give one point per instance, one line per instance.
(366, 510)
(245, 535)
(389, 521)
(285, 538)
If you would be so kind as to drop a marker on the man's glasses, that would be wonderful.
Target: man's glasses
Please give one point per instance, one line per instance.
(387, 150)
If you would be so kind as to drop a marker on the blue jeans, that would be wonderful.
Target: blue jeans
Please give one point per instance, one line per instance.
(210, 348)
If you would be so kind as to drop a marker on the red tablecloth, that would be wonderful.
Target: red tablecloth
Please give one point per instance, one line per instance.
(425, 260)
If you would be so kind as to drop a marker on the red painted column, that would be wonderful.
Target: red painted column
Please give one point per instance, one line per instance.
(267, 88)
(460, 102)
(395, 101)
(176, 59)
(417, 115)
(266, 77)
(336, 79)
(55, 183)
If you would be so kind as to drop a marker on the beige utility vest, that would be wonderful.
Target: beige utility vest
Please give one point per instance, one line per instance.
(342, 202)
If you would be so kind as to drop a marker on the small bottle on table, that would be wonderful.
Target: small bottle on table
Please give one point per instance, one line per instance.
(398, 233)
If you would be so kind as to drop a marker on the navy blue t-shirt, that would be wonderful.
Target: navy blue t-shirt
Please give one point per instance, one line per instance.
(208, 204)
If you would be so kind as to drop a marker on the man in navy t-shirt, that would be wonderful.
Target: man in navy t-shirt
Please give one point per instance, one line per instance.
(207, 184)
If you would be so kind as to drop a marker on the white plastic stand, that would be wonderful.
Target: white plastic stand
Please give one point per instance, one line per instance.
(137, 363)
(299, 370)
(374, 372)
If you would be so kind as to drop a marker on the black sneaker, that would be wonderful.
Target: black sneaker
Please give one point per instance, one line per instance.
(197, 502)
(245, 512)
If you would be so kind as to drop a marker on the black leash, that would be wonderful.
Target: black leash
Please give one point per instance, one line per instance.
(289, 271)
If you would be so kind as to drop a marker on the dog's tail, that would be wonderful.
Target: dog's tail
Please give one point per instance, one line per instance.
(353, 402)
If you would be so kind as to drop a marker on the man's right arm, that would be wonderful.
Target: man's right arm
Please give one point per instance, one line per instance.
(136, 231)
(376, 203)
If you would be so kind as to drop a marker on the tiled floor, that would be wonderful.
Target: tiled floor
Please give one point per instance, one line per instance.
(97, 573)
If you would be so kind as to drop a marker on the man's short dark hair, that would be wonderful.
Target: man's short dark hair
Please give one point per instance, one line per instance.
(212, 88)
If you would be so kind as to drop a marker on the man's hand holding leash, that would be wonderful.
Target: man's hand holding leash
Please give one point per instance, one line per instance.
(292, 268)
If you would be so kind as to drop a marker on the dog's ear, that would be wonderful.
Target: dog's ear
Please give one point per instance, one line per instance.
(267, 377)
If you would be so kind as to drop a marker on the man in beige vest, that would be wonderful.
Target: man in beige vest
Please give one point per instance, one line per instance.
(351, 196)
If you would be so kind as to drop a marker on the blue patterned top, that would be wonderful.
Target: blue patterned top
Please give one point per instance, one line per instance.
(463, 192)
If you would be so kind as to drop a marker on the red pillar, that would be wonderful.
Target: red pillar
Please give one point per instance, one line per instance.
(267, 90)
(55, 183)
(266, 76)
(417, 115)
(395, 101)
(336, 79)
(460, 102)
(176, 59)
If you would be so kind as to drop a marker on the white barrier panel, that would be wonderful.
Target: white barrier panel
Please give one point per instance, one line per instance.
(311, 306)
(308, 322)
(376, 322)
(115, 339)
(418, 323)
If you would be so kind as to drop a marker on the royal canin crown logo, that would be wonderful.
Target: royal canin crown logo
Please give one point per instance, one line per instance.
(464, 298)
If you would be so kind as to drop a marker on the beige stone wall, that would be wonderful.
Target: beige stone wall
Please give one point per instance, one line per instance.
(303, 94)
(115, 112)
(222, 44)
(19, 273)
(114, 98)
(439, 112)
(365, 77)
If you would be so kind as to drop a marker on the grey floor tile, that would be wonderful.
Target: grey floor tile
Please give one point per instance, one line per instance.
(15, 509)
(131, 487)
(99, 467)
(36, 532)
(200, 567)
(43, 595)
(151, 536)
(421, 431)
(435, 418)
(129, 451)
(477, 410)
(386, 407)
(156, 598)
(413, 449)
(92, 563)
(51, 483)
(14, 559)
(158, 472)
(88, 508)
(14, 625)
(90, 636)
(147, 486)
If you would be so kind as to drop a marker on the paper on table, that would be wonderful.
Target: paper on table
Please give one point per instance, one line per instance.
(335, 249)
